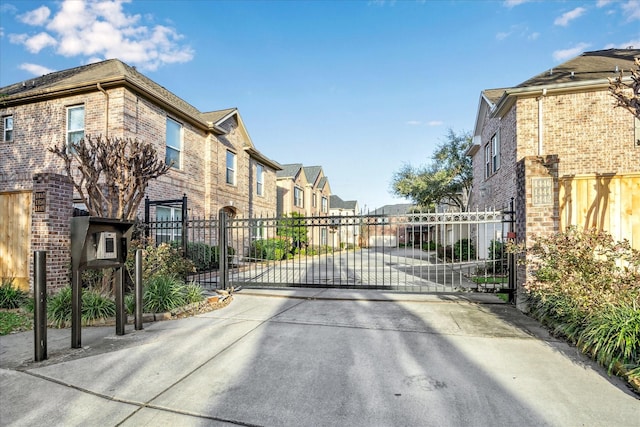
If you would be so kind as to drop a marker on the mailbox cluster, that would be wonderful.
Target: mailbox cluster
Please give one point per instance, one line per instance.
(97, 243)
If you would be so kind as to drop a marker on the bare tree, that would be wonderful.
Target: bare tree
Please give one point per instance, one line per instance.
(113, 173)
(629, 100)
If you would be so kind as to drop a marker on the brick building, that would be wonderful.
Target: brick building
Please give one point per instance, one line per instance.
(215, 162)
(559, 148)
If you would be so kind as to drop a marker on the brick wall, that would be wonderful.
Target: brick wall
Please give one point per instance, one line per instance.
(537, 212)
(50, 230)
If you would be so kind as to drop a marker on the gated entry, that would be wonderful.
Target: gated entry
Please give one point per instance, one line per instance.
(420, 252)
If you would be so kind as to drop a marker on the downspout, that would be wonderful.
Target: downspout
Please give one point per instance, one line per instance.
(106, 131)
(540, 123)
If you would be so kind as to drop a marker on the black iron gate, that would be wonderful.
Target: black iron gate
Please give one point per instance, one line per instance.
(419, 252)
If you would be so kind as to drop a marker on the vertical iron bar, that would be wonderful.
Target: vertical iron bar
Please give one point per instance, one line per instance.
(138, 291)
(184, 225)
(76, 309)
(121, 313)
(512, 256)
(40, 305)
(222, 249)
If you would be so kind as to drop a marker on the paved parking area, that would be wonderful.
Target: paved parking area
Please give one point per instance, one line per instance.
(315, 358)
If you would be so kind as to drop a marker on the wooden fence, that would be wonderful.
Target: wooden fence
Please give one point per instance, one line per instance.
(15, 237)
(606, 202)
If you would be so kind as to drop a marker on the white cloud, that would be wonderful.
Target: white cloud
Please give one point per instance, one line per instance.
(513, 3)
(631, 10)
(35, 69)
(435, 123)
(37, 16)
(603, 3)
(502, 36)
(533, 36)
(38, 42)
(564, 54)
(414, 123)
(635, 43)
(569, 16)
(102, 29)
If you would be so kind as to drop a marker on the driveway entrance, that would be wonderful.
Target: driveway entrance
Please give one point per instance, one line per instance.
(318, 357)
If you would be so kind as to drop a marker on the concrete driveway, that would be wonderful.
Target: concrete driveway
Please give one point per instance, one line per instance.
(316, 358)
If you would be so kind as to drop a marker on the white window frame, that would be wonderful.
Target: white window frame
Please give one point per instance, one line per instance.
(259, 179)
(487, 160)
(173, 149)
(258, 231)
(495, 152)
(298, 197)
(171, 230)
(7, 128)
(72, 132)
(325, 205)
(231, 163)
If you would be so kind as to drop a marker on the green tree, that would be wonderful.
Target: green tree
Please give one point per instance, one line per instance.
(446, 180)
(294, 228)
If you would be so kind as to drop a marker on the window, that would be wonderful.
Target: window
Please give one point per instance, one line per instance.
(169, 224)
(323, 236)
(258, 230)
(259, 180)
(231, 168)
(495, 155)
(314, 200)
(325, 205)
(7, 129)
(173, 156)
(487, 161)
(298, 197)
(75, 124)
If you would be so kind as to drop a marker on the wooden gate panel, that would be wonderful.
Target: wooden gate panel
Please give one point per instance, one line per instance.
(605, 202)
(15, 237)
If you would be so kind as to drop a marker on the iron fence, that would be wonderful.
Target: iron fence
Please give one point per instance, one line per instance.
(419, 252)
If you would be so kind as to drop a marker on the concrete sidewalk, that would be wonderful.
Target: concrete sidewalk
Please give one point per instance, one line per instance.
(315, 357)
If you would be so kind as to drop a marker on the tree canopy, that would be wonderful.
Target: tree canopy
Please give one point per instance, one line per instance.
(625, 98)
(446, 180)
(114, 173)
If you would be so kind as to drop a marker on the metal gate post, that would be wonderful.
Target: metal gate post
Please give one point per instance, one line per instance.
(512, 257)
(138, 291)
(223, 278)
(40, 305)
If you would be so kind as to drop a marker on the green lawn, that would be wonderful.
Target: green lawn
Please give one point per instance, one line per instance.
(14, 321)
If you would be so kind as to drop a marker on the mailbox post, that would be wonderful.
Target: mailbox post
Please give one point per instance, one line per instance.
(97, 243)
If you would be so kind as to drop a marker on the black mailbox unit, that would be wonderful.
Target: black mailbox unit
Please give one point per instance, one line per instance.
(97, 243)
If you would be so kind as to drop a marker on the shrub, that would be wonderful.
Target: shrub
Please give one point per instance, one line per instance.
(429, 246)
(613, 336)
(94, 306)
(269, 249)
(497, 255)
(163, 293)
(584, 285)
(10, 295)
(164, 260)
(192, 293)
(462, 250)
(205, 257)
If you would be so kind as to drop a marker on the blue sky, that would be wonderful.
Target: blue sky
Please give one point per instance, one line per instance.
(357, 87)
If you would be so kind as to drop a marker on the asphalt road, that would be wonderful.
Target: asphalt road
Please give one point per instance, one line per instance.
(316, 358)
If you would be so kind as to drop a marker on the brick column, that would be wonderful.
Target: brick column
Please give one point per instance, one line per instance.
(52, 209)
(537, 207)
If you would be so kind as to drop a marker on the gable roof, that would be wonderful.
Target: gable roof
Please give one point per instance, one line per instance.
(398, 209)
(595, 65)
(312, 173)
(91, 77)
(590, 70)
(335, 202)
(289, 171)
